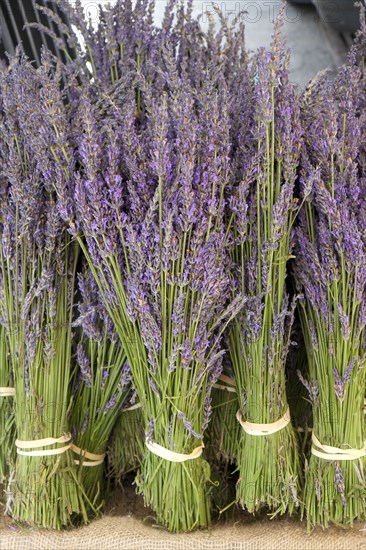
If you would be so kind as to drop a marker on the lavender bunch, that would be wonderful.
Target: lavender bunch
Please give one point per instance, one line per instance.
(38, 268)
(149, 202)
(260, 216)
(101, 385)
(330, 270)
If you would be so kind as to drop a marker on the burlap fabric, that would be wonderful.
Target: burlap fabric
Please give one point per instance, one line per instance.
(115, 533)
(126, 526)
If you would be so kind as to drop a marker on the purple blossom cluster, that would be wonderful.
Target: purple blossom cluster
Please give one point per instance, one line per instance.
(93, 317)
(332, 243)
(330, 236)
(38, 259)
(84, 366)
(266, 139)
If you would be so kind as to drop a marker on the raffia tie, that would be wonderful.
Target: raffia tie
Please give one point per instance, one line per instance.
(171, 456)
(230, 384)
(133, 407)
(24, 446)
(7, 392)
(252, 428)
(89, 459)
(326, 452)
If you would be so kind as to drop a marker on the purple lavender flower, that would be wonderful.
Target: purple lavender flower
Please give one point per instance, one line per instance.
(312, 387)
(125, 379)
(111, 403)
(153, 386)
(339, 482)
(84, 365)
(189, 426)
(85, 424)
(151, 428)
(105, 376)
(340, 382)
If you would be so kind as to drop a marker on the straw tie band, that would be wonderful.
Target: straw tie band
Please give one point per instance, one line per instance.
(229, 381)
(23, 446)
(334, 453)
(133, 407)
(7, 392)
(264, 429)
(95, 459)
(171, 456)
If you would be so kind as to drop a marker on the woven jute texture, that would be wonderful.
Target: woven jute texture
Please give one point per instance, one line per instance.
(127, 527)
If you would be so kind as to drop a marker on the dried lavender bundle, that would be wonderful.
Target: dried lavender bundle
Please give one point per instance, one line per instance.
(330, 270)
(7, 425)
(101, 386)
(149, 202)
(38, 266)
(260, 217)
